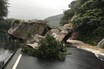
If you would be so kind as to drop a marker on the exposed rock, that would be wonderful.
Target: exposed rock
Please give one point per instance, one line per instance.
(67, 31)
(64, 34)
(27, 30)
(57, 34)
(36, 38)
(31, 32)
(67, 36)
(61, 35)
(101, 44)
(67, 28)
(34, 45)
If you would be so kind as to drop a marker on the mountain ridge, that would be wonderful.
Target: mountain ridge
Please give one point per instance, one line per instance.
(54, 21)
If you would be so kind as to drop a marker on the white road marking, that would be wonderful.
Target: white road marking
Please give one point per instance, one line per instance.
(17, 61)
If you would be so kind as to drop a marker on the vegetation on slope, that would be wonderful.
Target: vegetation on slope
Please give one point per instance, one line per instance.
(87, 19)
(3, 13)
(3, 9)
(54, 21)
(5, 40)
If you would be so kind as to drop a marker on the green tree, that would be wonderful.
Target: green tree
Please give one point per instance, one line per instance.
(3, 9)
(68, 14)
(88, 20)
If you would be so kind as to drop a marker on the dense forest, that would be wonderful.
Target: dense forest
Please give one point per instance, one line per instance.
(3, 14)
(5, 24)
(87, 17)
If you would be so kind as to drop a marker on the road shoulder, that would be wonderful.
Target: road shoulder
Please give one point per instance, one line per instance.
(13, 60)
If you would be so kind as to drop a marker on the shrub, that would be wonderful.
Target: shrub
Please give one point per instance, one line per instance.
(49, 48)
(29, 51)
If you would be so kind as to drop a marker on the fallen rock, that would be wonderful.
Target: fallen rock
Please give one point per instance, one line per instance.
(35, 42)
(64, 34)
(34, 45)
(67, 28)
(27, 30)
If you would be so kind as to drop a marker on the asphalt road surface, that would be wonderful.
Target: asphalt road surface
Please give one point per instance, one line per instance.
(79, 59)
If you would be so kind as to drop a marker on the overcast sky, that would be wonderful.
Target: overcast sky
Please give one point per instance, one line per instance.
(36, 9)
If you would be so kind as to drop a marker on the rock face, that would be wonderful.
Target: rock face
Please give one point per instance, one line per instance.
(64, 34)
(101, 44)
(57, 34)
(27, 30)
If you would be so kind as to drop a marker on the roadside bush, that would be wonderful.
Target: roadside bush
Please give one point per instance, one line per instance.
(29, 51)
(50, 48)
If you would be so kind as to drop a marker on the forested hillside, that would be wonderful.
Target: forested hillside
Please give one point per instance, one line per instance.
(87, 17)
(54, 21)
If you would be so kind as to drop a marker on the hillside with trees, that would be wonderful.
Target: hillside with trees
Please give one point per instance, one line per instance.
(3, 13)
(87, 17)
(3, 9)
(5, 24)
(54, 21)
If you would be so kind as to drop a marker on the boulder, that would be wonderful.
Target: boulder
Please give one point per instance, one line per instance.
(57, 34)
(34, 45)
(27, 30)
(35, 38)
(67, 31)
(61, 35)
(68, 26)
(101, 44)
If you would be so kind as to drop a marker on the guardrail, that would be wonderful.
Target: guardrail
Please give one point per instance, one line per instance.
(7, 60)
